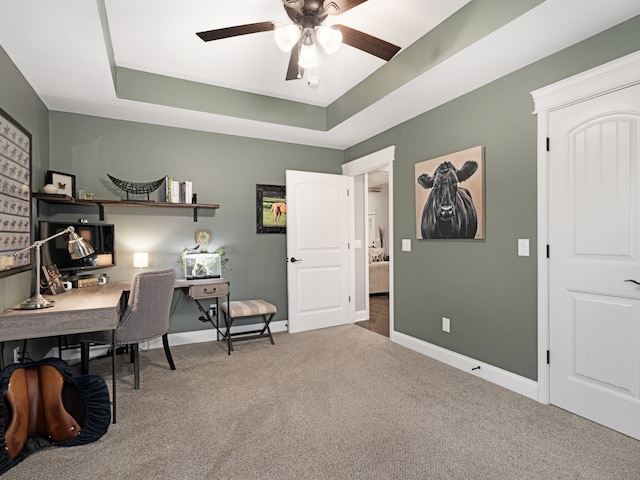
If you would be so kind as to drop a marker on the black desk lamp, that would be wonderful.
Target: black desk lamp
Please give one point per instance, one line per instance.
(78, 248)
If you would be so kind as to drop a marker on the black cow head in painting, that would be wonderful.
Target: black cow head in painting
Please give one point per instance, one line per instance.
(449, 211)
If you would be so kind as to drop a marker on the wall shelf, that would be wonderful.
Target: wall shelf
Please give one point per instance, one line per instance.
(67, 200)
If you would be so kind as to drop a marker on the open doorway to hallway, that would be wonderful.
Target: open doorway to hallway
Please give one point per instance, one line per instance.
(374, 239)
(378, 249)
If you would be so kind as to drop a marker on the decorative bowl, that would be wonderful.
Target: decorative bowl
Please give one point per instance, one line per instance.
(137, 188)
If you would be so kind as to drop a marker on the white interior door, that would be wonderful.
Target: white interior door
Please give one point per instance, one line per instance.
(320, 263)
(594, 237)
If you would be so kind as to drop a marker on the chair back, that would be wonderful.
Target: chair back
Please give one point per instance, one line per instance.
(149, 307)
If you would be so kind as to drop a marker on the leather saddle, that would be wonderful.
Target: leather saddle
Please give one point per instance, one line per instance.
(45, 404)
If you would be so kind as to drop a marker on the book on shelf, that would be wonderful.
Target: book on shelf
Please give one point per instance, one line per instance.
(178, 191)
(167, 189)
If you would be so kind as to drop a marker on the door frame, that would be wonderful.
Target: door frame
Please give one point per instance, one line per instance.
(373, 161)
(615, 75)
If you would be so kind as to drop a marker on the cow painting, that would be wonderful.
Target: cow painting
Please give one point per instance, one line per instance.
(449, 211)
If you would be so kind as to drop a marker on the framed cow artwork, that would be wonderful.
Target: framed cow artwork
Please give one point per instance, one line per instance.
(450, 196)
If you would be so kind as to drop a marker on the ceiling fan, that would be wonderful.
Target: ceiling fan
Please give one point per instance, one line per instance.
(307, 30)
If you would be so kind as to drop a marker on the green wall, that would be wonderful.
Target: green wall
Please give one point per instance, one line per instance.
(224, 170)
(19, 100)
(488, 292)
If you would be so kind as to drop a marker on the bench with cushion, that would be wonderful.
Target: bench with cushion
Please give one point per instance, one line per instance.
(243, 309)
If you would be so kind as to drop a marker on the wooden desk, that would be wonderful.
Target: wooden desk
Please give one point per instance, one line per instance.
(200, 289)
(90, 309)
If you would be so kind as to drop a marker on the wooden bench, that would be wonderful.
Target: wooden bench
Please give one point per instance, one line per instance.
(243, 309)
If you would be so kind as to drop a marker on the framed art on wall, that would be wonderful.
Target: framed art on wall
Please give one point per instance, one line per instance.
(64, 182)
(271, 209)
(450, 196)
(15, 196)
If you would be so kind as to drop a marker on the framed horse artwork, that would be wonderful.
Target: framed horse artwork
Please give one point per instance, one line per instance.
(271, 209)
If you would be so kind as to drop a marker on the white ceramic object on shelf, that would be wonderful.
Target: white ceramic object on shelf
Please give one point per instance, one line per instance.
(49, 188)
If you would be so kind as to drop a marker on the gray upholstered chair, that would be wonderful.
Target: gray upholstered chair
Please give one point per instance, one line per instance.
(145, 317)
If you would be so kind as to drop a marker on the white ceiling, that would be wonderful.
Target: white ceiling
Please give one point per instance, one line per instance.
(63, 51)
(165, 42)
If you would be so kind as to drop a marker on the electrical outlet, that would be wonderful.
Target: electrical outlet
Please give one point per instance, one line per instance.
(16, 355)
(446, 325)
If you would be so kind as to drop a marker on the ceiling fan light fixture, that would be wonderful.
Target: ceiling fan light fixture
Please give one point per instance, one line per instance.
(329, 38)
(287, 36)
(308, 55)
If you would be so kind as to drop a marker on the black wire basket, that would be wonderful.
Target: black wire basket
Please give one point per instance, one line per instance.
(136, 188)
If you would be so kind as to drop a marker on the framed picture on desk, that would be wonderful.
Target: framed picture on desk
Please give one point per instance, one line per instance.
(52, 279)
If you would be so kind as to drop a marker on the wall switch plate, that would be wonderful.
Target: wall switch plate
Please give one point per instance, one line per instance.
(446, 325)
(523, 247)
(406, 244)
(357, 244)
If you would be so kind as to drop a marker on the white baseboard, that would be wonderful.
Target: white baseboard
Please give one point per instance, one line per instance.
(175, 339)
(361, 315)
(508, 380)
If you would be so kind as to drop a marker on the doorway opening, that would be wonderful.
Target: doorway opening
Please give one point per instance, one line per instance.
(373, 182)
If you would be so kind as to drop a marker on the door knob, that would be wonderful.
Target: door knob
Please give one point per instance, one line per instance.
(295, 260)
(632, 281)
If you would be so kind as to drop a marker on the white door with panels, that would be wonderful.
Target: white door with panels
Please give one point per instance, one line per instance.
(320, 263)
(594, 238)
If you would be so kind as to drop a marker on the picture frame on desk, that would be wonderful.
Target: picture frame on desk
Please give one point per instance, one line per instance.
(15, 196)
(64, 182)
(52, 280)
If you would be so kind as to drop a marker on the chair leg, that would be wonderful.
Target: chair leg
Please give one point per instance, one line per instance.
(136, 366)
(84, 358)
(167, 352)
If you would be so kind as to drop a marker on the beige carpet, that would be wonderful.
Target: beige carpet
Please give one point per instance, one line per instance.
(338, 403)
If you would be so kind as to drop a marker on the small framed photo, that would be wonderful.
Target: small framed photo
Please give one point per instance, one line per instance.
(64, 182)
(271, 209)
(52, 279)
(85, 194)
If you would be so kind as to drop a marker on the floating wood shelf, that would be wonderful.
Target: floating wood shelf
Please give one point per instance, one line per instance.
(57, 198)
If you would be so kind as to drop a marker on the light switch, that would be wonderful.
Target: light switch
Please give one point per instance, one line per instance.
(446, 325)
(357, 244)
(406, 244)
(523, 247)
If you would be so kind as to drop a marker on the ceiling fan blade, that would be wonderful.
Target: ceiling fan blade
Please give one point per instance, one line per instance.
(367, 43)
(235, 31)
(294, 71)
(342, 6)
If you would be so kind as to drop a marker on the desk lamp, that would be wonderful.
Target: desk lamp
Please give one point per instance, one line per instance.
(78, 248)
(141, 260)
